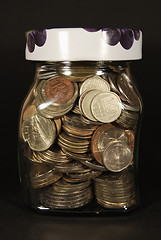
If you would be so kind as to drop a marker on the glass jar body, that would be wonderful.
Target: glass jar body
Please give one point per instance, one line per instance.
(78, 138)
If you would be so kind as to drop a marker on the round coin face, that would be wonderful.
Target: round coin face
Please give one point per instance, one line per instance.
(117, 156)
(95, 82)
(106, 107)
(40, 133)
(95, 139)
(85, 103)
(59, 90)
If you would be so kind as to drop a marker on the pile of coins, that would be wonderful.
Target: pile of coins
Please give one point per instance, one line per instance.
(67, 195)
(78, 131)
(115, 190)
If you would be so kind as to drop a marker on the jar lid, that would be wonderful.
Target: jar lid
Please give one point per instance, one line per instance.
(88, 44)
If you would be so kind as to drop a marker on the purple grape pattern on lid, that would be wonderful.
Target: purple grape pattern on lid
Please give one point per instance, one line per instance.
(92, 29)
(40, 37)
(136, 34)
(36, 37)
(30, 42)
(111, 36)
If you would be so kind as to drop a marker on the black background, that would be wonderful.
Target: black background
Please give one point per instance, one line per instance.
(19, 222)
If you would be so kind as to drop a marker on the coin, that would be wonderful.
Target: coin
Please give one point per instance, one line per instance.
(57, 122)
(128, 119)
(29, 111)
(73, 166)
(85, 103)
(59, 90)
(117, 156)
(95, 82)
(112, 77)
(50, 108)
(106, 107)
(94, 141)
(93, 165)
(39, 132)
(42, 175)
(77, 156)
(110, 135)
(127, 88)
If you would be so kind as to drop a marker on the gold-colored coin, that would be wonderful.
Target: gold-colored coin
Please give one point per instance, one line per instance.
(42, 175)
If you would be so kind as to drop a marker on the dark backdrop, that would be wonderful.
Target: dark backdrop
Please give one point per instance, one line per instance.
(16, 78)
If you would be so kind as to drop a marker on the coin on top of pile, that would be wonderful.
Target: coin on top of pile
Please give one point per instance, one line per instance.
(106, 107)
(106, 134)
(38, 132)
(95, 82)
(117, 156)
(56, 97)
(85, 103)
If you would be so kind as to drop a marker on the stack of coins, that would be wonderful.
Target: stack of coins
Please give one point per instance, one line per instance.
(53, 156)
(76, 126)
(64, 195)
(115, 190)
(128, 119)
(131, 101)
(72, 144)
(43, 175)
(46, 71)
(75, 73)
(55, 97)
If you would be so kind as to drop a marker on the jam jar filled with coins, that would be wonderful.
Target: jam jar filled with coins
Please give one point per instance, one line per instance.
(79, 125)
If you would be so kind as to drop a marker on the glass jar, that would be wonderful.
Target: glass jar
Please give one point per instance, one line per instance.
(80, 123)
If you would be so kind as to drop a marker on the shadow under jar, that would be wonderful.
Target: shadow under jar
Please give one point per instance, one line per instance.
(79, 125)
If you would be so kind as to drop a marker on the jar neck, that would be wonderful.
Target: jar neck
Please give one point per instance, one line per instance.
(67, 68)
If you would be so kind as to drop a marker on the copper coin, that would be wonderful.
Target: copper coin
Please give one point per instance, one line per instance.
(108, 133)
(59, 90)
(94, 142)
(131, 139)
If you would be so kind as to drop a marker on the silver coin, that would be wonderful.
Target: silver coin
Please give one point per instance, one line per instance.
(110, 135)
(95, 82)
(106, 107)
(93, 165)
(117, 156)
(63, 186)
(85, 103)
(73, 166)
(40, 133)
(127, 88)
(112, 77)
